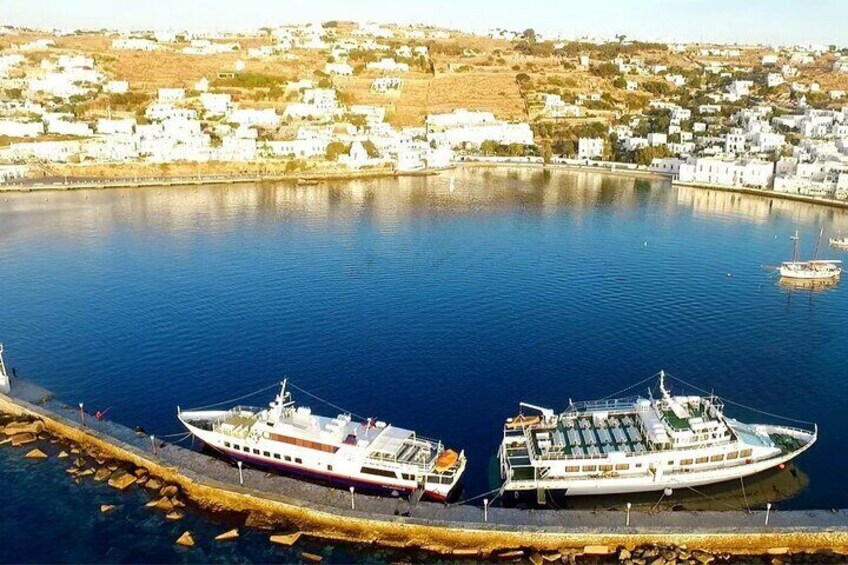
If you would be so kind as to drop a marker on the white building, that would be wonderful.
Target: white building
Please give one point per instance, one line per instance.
(734, 142)
(266, 118)
(462, 127)
(655, 139)
(124, 126)
(11, 128)
(134, 44)
(171, 94)
(774, 80)
(590, 147)
(215, 104)
(742, 173)
(116, 87)
(387, 65)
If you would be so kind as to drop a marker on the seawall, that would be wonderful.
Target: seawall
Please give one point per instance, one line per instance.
(326, 513)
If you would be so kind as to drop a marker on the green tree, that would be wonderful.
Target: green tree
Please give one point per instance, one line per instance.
(334, 149)
(371, 149)
(489, 147)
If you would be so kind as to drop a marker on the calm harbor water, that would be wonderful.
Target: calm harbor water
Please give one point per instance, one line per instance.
(433, 305)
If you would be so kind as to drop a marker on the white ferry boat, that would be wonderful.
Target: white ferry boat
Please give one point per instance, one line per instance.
(637, 445)
(814, 269)
(369, 455)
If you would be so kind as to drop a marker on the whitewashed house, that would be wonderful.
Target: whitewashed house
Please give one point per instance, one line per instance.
(265, 118)
(742, 173)
(116, 87)
(123, 126)
(171, 94)
(215, 104)
(134, 44)
(387, 65)
(12, 128)
(655, 139)
(590, 147)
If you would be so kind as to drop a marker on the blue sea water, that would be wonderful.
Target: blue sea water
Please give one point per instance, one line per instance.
(433, 305)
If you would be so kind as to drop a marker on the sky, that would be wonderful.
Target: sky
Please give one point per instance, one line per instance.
(726, 21)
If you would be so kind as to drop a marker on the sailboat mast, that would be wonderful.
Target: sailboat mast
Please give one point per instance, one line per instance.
(818, 244)
(795, 247)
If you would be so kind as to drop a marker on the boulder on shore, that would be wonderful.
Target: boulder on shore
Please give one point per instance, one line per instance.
(153, 484)
(169, 491)
(229, 535)
(106, 508)
(312, 557)
(175, 515)
(16, 428)
(102, 474)
(186, 540)
(163, 504)
(36, 454)
(63, 455)
(121, 480)
(287, 540)
(22, 439)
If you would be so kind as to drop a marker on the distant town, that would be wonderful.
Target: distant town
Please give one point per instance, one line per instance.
(341, 97)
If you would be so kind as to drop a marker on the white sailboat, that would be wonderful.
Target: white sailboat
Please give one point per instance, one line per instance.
(814, 269)
(839, 241)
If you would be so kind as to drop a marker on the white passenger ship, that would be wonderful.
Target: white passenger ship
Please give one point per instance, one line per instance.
(370, 455)
(637, 445)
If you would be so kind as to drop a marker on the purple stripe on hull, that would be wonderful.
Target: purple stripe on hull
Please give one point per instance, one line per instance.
(297, 471)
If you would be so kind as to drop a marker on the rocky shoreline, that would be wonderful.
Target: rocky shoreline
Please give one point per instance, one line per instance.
(88, 463)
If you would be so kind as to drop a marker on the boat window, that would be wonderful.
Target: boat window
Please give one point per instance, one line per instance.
(718, 457)
(671, 463)
(745, 453)
(685, 461)
(379, 472)
(246, 449)
(700, 460)
(572, 469)
(622, 467)
(446, 480)
(407, 476)
(604, 468)
(733, 455)
(266, 453)
(638, 465)
(276, 456)
(329, 467)
(298, 460)
(226, 444)
(590, 468)
(256, 451)
(288, 458)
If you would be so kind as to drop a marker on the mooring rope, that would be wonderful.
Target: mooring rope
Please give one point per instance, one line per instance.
(479, 496)
(230, 401)
(763, 412)
(643, 381)
(327, 402)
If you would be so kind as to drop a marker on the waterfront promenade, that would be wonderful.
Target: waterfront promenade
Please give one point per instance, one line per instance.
(327, 513)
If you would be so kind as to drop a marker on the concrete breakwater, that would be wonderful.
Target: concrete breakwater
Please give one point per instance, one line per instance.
(276, 503)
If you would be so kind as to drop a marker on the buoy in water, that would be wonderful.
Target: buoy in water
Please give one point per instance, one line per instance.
(668, 491)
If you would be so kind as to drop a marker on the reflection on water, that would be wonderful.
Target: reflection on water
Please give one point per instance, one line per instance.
(434, 304)
(774, 486)
(389, 202)
(790, 284)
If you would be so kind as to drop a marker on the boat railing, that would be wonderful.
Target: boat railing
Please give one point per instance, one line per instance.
(245, 408)
(612, 404)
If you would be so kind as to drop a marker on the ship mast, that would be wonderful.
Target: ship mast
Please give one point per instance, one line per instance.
(818, 244)
(795, 239)
(663, 390)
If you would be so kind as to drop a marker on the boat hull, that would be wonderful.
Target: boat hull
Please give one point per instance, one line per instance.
(362, 484)
(645, 483)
